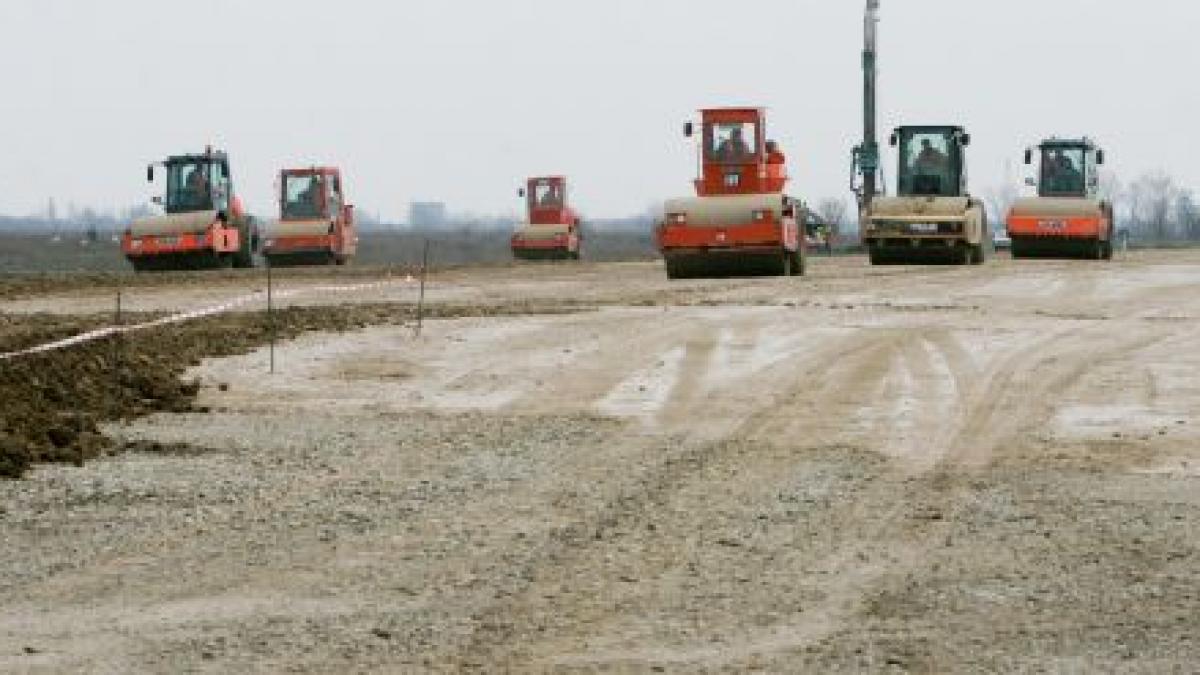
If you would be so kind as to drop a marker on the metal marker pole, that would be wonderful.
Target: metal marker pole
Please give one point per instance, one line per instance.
(421, 296)
(116, 357)
(271, 314)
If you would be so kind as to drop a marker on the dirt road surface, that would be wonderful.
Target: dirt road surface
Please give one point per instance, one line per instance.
(866, 470)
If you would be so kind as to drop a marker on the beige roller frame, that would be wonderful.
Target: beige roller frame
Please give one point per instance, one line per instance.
(180, 223)
(726, 210)
(542, 232)
(296, 228)
(1057, 207)
(919, 208)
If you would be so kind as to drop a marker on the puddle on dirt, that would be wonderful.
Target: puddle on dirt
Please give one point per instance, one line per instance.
(1106, 420)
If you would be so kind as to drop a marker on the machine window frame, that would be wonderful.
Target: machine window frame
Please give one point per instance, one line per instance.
(754, 144)
(1082, 166)
(907, 167)
(294, 208)
(176, 200)
(537, 194)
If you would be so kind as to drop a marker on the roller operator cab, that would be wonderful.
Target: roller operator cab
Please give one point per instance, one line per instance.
(316, 225)
(933, 217)
(204, 224)
(552, 227)
(1068, 218)
(740, 222)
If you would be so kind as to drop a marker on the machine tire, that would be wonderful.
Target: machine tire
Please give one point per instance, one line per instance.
(978, 254)
(244, 258)
(964, 255)
(799, 263)
(877, 256)
(675, 269)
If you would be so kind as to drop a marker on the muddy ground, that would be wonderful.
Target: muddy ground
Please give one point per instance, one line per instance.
(586, 468)
(39, 254)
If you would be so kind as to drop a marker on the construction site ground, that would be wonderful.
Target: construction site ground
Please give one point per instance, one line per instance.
(587, 468)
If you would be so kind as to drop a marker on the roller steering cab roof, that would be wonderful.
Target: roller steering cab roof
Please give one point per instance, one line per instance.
(210, 156)
(736, 157)
(312, 171)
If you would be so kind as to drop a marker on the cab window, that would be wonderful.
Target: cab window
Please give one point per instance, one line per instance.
(547, 194)
(302, 197)
(929, 163)
(1063, 171)
(731, 142)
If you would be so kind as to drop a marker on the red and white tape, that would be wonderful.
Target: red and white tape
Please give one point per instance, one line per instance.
(181, 317)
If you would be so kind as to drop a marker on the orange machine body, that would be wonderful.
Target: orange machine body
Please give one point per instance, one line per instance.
(553, 227)
(1068, 218)
(1056, 227)
(740, 216)
(219, 238)
(316, 225)
(204, 223)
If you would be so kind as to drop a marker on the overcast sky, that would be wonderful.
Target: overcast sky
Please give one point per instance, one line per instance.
(458, 100)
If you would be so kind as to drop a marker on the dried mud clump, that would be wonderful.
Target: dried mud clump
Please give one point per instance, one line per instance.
(52, 404)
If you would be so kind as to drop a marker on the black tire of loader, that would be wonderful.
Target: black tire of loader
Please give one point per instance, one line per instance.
(799, 263)
(243, 258)
(676, 268)
(879, 255)
(978, 255)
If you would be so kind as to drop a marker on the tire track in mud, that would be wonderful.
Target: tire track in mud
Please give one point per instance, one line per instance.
(632, 506)
(1020, 394)
(830, 600)
(759, 469)
(940, 494)
(616, 372)
(659, 485)
(882, 542)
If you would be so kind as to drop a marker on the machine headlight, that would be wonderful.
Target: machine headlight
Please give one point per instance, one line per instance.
(762, 215)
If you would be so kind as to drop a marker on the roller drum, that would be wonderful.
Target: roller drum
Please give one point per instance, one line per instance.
(174, 224)
(726, 210)
(297, 228)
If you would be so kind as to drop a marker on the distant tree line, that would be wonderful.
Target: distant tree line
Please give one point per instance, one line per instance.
(1154, 208)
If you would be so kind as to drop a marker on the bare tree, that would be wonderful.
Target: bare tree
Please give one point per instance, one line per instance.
(1111, 187)
(832, 212)
(1000, 200)
(1152, 200)
(1187, 215)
